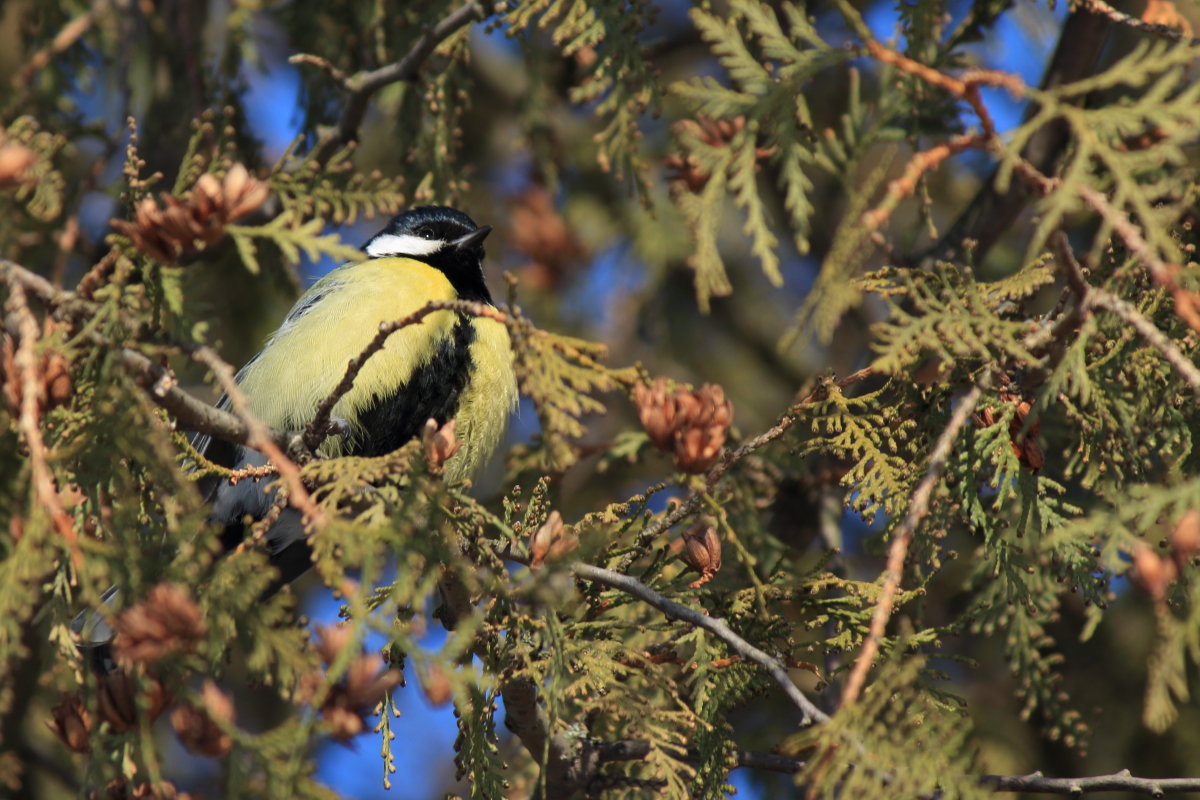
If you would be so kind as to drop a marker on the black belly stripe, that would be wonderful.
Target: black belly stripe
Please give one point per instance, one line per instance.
(433, 390)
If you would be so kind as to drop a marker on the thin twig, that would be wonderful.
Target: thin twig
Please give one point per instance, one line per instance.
(1186, 303)
(917, 166)
(902, 536)
(260, 435)
(70, 33)
(1121, 781)
(1121, 18)
(361, 86)
(810, 714)
(318, 427)
(32, 396)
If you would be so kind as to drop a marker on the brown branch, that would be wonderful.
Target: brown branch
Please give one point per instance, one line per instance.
(1121, 18)
(809, 712)
(965, 88)
(691, 504)
(361, 86)
(33, 395)
(991, 212)
(260, 435)
(917, 166)
(1121, 781)
(318, 428)
(1187, 304)
(902, 536)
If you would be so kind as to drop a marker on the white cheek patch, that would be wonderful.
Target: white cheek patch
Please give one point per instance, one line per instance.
(403, 244)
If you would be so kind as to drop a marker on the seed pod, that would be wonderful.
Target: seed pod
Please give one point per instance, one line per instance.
(702, 552)
(71, 723)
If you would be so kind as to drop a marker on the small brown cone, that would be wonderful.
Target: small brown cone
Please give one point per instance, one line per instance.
(1152, 573)
(118, 703)
(436, 685)
(701, 550)
(551, 541)
(657, 412)
(705, 419)
(71, 723)
(167, 621)
(198, 729)
(1185, 539)
(439, 443)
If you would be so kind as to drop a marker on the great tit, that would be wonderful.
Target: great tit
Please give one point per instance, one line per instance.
(451, 366)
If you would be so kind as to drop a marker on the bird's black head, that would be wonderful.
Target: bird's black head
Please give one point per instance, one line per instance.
(444, 238)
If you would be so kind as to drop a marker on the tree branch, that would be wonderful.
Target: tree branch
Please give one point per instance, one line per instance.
(361, 86)
(810, 714)
(992, 212)
(1033, 783)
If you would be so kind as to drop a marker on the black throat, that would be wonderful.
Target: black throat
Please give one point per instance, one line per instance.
(464, 270)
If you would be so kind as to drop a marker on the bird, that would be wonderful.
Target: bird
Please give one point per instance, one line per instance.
(453, 366)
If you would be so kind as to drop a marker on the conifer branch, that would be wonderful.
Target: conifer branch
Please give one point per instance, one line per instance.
(902, 536)
(362, 86)
(160, 384)
(1186, 303)
(991, 212)
(691, 504)
(1095, 297)
(810, 714)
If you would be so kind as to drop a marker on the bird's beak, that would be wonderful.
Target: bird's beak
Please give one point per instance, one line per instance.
(471, 239)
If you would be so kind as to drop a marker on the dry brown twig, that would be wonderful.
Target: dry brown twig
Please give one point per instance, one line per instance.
(965, 88)
(902, 536)
(26, 362)
(260, 438)
(70, 33)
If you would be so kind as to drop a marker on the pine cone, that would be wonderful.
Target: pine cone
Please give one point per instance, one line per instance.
(167, 621)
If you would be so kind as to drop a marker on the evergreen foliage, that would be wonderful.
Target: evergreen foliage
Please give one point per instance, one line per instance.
(952, 531)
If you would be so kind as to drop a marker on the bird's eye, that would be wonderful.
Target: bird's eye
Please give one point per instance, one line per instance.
(425, 233)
